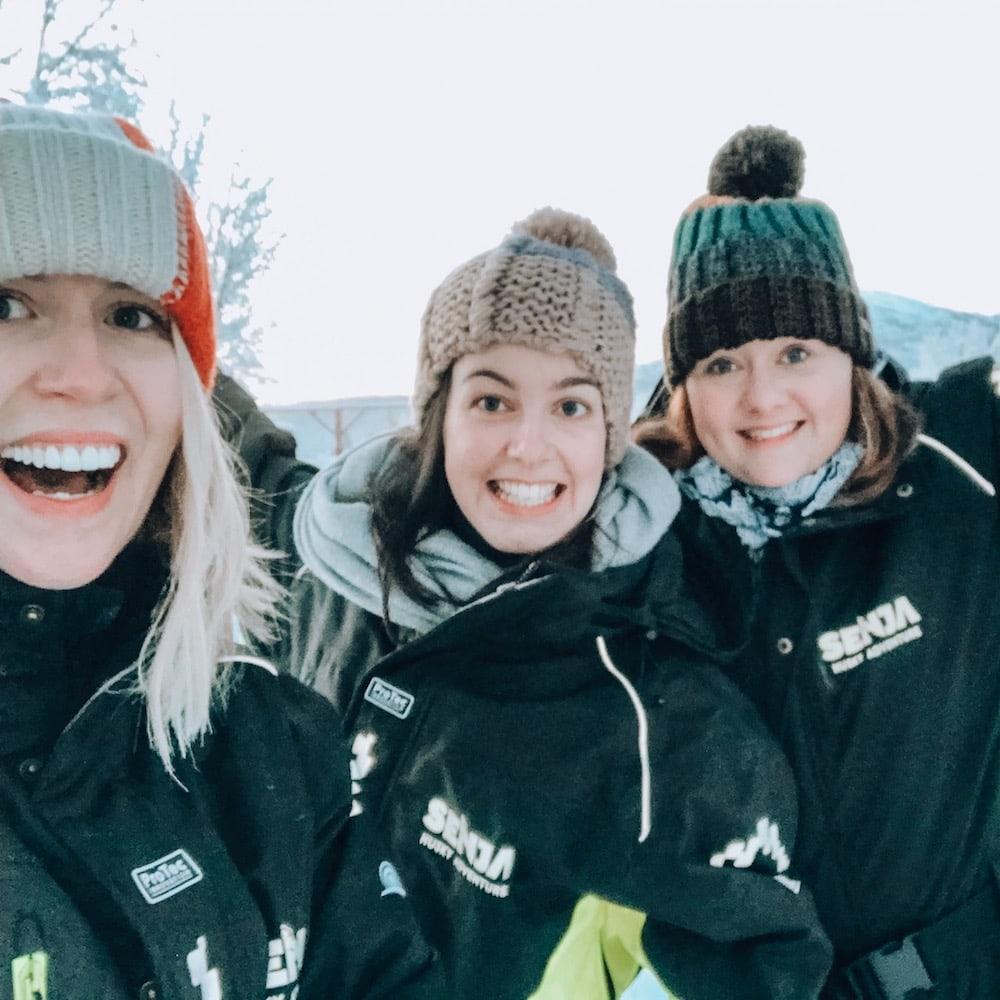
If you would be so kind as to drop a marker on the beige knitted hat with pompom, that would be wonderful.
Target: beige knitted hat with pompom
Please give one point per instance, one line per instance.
(550, 285)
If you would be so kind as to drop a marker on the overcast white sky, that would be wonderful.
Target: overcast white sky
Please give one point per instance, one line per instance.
(404, 136)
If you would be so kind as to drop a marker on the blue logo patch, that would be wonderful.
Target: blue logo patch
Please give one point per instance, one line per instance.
(392, 885)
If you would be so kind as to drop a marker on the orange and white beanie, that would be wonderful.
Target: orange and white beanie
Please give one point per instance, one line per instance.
(87, 194)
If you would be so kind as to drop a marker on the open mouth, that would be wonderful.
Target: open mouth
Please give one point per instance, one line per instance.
(61, 472)
(526, 495)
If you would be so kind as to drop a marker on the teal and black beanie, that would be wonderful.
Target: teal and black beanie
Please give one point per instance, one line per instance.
(754, 261)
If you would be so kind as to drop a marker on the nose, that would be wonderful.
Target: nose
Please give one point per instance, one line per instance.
(763, 390)
(77, 364)
(529, 439)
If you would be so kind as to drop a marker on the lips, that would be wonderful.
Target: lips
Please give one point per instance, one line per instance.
(767, 435)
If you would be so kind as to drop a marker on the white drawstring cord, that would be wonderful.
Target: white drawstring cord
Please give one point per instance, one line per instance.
(646, 821)
(257, 661)
(942, 449)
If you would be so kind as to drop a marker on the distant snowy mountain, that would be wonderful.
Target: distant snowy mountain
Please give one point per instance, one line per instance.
(923, 339)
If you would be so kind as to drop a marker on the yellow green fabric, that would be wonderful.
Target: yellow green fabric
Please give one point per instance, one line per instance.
(30, 976)
(603, 941)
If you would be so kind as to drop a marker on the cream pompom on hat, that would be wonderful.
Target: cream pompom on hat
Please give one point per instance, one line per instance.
(550, 285)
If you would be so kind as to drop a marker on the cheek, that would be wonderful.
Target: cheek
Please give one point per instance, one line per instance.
(588, 465)
(462, 455)
(708, 407)
(167, 420)
(834, 410)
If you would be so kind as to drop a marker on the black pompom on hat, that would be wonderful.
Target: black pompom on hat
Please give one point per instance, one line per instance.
(760, 161)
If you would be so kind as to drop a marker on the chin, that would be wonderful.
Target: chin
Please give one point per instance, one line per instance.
(57, 572)
(771, 482)
(517, 544)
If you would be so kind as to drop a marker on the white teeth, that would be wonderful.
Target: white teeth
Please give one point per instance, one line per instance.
(525, 494)
(771, 432)
(63, 496)
(68, 458)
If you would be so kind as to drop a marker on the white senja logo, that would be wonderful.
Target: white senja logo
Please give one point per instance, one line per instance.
(885, 628)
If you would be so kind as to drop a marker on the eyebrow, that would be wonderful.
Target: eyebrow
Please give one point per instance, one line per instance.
(574, 380)
(569, 382)
(118, 286)
(487, 373)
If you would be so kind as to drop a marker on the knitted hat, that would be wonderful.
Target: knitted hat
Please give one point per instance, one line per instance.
(550, 285)
(753, 261)
(85, 194)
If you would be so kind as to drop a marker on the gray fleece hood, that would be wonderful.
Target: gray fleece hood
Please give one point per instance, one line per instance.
(635, 506)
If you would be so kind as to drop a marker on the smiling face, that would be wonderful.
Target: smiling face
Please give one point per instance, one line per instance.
(771, 411)
(90, 416)
(524, 445)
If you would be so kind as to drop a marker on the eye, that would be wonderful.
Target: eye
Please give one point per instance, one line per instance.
(12, 308)
(718, 366)
(490, 404)
(573, 408)
(129, 316)
(796, 354)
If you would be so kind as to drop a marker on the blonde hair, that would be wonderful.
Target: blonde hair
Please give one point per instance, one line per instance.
(882, 422)
(218, 585)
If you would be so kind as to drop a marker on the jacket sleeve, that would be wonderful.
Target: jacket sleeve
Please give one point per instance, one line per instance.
(961, 410)
(275, 476)
(363, 943)
(713, 868)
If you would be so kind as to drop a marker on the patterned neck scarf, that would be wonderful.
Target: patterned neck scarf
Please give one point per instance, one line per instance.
(762, 512)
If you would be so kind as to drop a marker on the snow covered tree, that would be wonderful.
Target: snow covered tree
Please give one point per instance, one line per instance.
(84, 66)
(87, 65)
(237, 246)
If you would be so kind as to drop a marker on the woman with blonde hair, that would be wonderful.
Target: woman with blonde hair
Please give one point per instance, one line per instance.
(867, 520)
(174, 814)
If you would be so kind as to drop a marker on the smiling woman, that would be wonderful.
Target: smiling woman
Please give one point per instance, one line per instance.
(145, 759)
(868, 521)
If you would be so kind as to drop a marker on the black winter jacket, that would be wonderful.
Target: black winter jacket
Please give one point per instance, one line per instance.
(876, 661)
(562, 736)
(243, 878)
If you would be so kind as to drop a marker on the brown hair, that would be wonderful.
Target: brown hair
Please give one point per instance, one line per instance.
(409, 497)
(882, 422)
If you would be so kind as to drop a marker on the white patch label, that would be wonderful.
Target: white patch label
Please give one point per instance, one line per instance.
(389, 698)
(166, 876)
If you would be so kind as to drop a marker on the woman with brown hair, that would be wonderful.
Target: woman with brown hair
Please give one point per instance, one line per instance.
(872, 546)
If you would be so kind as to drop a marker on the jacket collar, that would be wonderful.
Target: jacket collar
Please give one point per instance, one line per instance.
(532, 632)
(58, 646)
